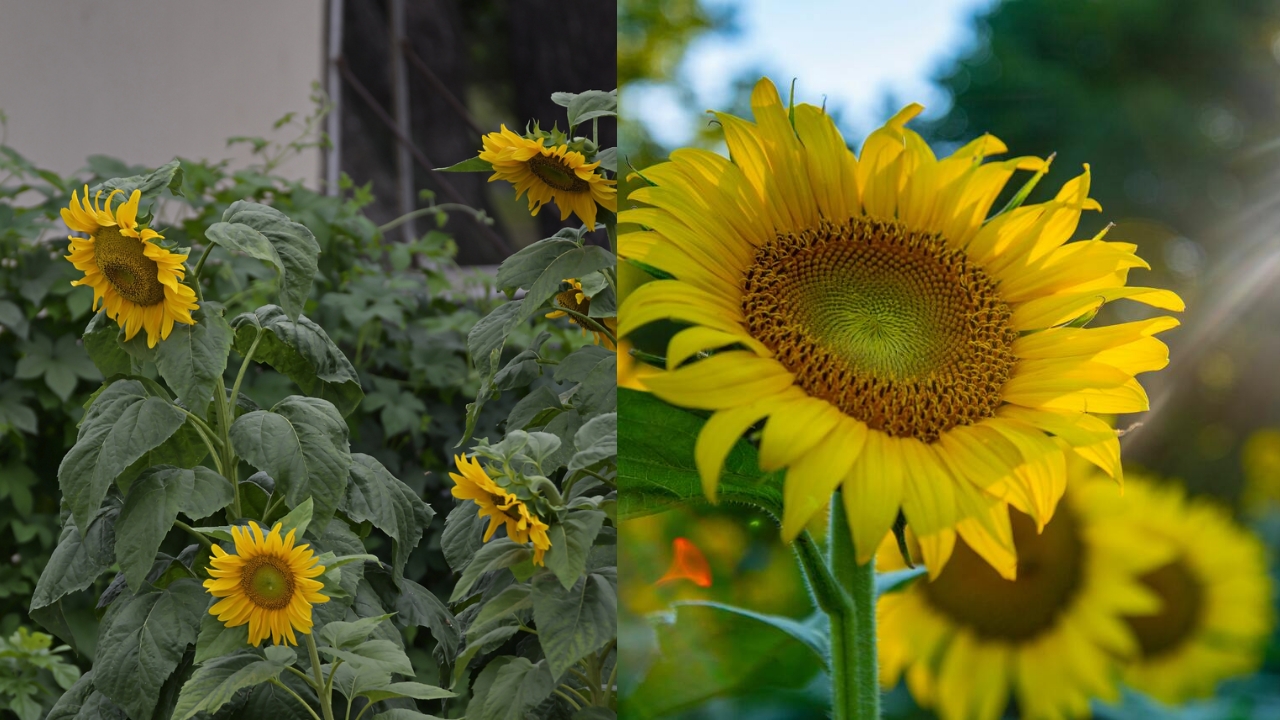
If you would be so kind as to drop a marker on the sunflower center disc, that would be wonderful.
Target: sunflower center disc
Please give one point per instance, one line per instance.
(1050, 571)
(569, 299)
(555, 173)
(267, 582)
(1182, 600)
(134, 275)
(893, 326)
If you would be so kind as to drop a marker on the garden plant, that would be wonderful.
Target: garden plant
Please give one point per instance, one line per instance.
(243, 559)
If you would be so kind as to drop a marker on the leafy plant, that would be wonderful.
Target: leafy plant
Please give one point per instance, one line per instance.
(31, 671)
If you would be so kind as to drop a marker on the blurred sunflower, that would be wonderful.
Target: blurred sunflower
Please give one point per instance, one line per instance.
(549, 174)
(1052, 638)
(471, 482)
(899, 341)
(139, 282)
(267, 583)
(577, 301)
(1216, 597)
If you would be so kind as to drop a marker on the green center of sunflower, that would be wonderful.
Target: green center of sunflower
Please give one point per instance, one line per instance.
(554, 172)
(1182, 600)
(1050, 571)
(134, 275)
(267, 582)
(893, 326)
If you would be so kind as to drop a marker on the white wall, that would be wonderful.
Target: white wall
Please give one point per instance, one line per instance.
(147, 80)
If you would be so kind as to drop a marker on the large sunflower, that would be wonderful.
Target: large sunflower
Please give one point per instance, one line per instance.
(549, 174)
(266, 583)
(471, 482)
(1216, 597)
(139, 282)
(901, 341)
(1052, 638)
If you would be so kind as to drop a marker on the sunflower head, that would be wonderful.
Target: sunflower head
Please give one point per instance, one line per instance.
(1216, 610)
(1052, 637)
(137, 281)
(503, 508)
(898, 337)
(268, 583)
(555, 173)
(576, 300)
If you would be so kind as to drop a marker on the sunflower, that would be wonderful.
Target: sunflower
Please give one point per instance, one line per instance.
(1216, 597)
(471, 482)
(576, 300)
(266, 583)
(549, 174)
(138, 281)
(898, 340)
(1053, 638)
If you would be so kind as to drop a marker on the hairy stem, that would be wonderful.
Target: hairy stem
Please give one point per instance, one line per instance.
(326, 702)
(244, 365)
(854, 671)
(204, 539)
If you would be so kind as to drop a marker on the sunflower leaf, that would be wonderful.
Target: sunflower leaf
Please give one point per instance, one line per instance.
(571, 264)
(301, 350)
(123, 423)
(141, 641)
(346, 635)
(375, 495)
(100, 340)
(377, 654)
(576, 621)
(474, 164)
(216, 639)
(168, 176)
(592, 104)
(214, 684)
(149, 510)
(519, 686)
(571, 540)
(267, 234)
(194, 357)
(302, 444)
(496, 555)
(417, 606)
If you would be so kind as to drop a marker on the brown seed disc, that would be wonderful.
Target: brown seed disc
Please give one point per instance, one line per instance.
(134, 275)
(557, 174)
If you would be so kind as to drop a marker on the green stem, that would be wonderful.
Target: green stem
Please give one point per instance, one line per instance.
(611, 229)
(589, 323)
(854, 671)
(434, 210)
(584, 702)
(208, 443)
(228, 453)
(244, 365)
(304, 703)
(204, 430)
(195, 274)
(326, 702)
(204, 539)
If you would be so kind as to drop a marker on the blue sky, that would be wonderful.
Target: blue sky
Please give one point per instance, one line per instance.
(855, 52)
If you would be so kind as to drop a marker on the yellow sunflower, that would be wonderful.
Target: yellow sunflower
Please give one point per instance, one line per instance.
(632, 372)
(549, 174)
(899, 341)
(1216, 597)
(266, 583)
(1053, 638)
(471, 482)
(139, 282)
(577, 301)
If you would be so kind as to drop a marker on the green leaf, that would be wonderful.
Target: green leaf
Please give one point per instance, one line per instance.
(216, 639)
(592, 104)
(100, 341)
(149, 510)
(570, 543)
(376, 496)
(578, 364)
(608, 159)
(491, 639)
(811, 637)
(377, 654)
(571, 264)
(168, 176)
(302, 444)
(491, 334)
(595, 713)
(474, 164)
(217, 681)
(418, 606)
(495, 555)
(76, 562)
(898, 580)
(520, 686)
(523, 268)
(62, 364)
(142, 639)
(265, 233)
(123, 423)
(346, 635)
(297, 519)
(463, 534)
(13, 413)
(82, 701)
(415, 690)
(193, 358)
(210, 492)
(596, 442)
(302, 351)
(512, 603)
(597, 393)
(12, 317)
(575, 622)
(656, 470)
(402, 714)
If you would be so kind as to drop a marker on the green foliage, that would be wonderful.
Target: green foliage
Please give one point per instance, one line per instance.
(32, 674)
